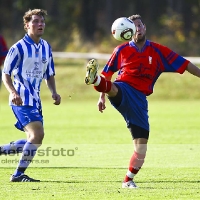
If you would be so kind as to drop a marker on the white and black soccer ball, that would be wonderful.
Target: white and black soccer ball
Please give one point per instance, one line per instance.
(123, 29)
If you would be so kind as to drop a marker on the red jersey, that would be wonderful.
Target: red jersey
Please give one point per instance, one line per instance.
(3, 50)
(141, 69)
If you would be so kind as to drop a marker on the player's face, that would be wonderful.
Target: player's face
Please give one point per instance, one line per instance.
(36, 26)
(140, 34)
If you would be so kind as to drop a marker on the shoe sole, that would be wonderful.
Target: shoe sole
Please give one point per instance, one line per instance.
(91, 71)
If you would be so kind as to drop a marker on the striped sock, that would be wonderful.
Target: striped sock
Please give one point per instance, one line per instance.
(13, 147)
(102, 85)
(28, 154)
(135, 165)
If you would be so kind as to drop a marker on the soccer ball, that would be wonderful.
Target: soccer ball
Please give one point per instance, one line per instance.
(123, 29)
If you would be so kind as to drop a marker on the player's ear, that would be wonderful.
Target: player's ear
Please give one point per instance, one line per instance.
(27, 26)
(144, 27)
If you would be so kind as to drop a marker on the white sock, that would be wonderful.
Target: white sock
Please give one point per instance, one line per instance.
(130, 174)
(97, 82)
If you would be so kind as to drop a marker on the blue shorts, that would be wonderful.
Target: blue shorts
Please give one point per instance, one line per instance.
(133, 107)
(25, 115)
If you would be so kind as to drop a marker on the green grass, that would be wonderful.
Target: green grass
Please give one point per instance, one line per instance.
(102, 144)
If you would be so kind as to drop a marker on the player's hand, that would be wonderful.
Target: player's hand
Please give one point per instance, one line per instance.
(16, 99)
(101, 103)
(101, 106)
(57, 99)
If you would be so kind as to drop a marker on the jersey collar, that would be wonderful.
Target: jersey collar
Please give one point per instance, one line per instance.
(147, 43)
(29, 40)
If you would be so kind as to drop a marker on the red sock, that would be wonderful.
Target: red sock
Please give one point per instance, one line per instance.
(135, 164)
(104, 85)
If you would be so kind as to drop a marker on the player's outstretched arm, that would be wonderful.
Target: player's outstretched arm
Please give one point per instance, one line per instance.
(193, 69)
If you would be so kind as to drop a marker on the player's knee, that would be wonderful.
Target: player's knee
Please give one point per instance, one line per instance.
(138, 132)
(140, 148)
(36, 138)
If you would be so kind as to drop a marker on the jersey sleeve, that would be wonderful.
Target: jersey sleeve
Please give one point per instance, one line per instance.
(113, 64)
(11, 60)
(172, 61)
(50, 71)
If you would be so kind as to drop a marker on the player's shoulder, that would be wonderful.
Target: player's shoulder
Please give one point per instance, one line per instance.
(156, 45)
(45, 42)
(121, 46)
(16, 45)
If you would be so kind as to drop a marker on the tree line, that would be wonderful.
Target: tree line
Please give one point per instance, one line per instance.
(84, 25)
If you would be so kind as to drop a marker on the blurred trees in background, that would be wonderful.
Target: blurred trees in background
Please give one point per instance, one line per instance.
(84, 25)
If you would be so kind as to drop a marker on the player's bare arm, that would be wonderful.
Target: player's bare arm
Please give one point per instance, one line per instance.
(193, 69)
(101, 102)
(52, 87)
(15, 98)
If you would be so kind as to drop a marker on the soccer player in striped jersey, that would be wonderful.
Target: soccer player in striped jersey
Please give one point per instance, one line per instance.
(139, 63)
(29, 61)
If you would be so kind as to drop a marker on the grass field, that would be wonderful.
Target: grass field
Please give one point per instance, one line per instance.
(98, 146)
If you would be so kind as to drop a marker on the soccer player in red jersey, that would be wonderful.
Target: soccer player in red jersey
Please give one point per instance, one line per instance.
(3, 53)
(139, 63)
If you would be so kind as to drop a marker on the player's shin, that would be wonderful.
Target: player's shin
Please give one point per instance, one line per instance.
(28, 154)
(12, 147)
(136, 162)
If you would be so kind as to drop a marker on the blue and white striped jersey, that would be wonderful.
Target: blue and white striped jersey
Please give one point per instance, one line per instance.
(29, 63)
